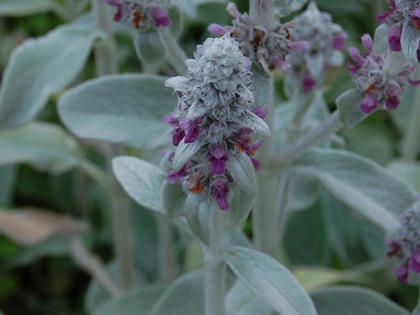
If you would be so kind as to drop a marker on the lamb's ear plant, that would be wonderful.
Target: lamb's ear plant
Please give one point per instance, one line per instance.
(208, 146)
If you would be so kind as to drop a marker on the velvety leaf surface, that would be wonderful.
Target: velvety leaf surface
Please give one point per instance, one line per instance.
(40, 67)
(359, 183)
(353, 300)
(25, 7)
(120, 108)
(270, 280)
(141, 180)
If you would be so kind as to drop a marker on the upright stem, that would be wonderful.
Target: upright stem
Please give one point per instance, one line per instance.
(411, 139)
(262, 12)
(215, 266)
(106, 63)
(167, 251)
(283, 210)
(174, 54)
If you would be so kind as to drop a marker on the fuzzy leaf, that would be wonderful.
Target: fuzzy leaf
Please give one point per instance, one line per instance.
(408, 172)
(286, 7)
(381, 39)
(348, 105)
(43, 145)
(141, 180)
(173, 198)
(258, 125)
(119, 108)
(149, 46)
(17, 8)
(349, 300)
(32, 227)
(243, 173)
(359, 183)
(190, 7)
(270, 280)
(315, 63)
(135, 302)
(240, 207)
(184, 296)
(184, 152)
(410, 38)
(41, 67)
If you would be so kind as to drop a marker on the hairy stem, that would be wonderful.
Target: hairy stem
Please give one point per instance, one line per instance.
(411, 141)
(330, 126)
(175, 55)
(167, 251)
(106, 63)
(215, 266)
(284, 201)
(92, 265)
(262, 12)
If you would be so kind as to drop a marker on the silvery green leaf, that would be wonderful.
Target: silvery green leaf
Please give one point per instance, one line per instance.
(408, 172)
(239, 208)
(141, 180)
(184, 296)
(316, 64)
(410, 38)
(360, 184)
(286, 7)
(261, 84)
(43, 145)
(336, 59)
(304, 191)
(270, 280)
(198, 214)
(242, 171)
(258, 125)
(8, 176)
(190, 7)
(173, 199)
(348, 105)
(404, 112)
(119, 108)
(350, 300)
(184, 152)
(149, 46)
(243, 301)
(177, 18)
(395, 63)
(17, 8)
(36, 70)
(380, 43)
(416, 311)
(135, 302)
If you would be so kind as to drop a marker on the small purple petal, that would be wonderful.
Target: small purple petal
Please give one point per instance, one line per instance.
(260, 111)
(339, 41)
(415, 261)
(218, 166)
(218, 151)
(176, 176)
(308, 83)
(280, 64)
(257, 144)
(414, 82)
(161, 16)
(392, 102)
(367, 43)
(217, 29)
(355, 55)
(394, 38)
(170, 119)
(220, 191)
(233, 10)
(192, 134)
(256, 164)
(381, 18)
(402, 272)
(300, 46)
(177, 136)
(394, 246)
(369, 103)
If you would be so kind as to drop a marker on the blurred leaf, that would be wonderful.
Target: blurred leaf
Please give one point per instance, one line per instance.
(43, 145)
(31, 227)
(402, 115)
(7, 183)
(408, 172)
(190, 6)
(184, 296)
(97, 297)
(149, 46)
(120, 108)
(239, 208)
(359, 183)
(410, 41)
(173, 199)
(349, 300)
(304, 191)
(286, 7)
(348, 105)
(416, 311)
(313, 278)
(17, 8)
(342, 7)
(243, 301)
(36, 70)
(243, 173)
(141, 180)
(135, 302)
(269, 280)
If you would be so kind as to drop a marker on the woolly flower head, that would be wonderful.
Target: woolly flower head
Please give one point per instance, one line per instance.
(268, 47)
(382, 78)
(141, 14)
(324, 41)
(214, 123)
(402, 16)
(404, 245)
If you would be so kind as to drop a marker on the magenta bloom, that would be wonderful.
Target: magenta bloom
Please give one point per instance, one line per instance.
(402, 272)
(220, 193)
(392, 8)
(394, 38)
(260, 111)
(218, 159)
(415, 261)
(308, 82)
(394, 246)
(339, 41)
(217, 29)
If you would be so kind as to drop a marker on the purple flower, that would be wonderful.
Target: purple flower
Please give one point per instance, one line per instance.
(369, 103)
(220, 192)
(192, 131)
(260, 111)
(170, 119)
(402, 272)
(394, 246)
(217, 29)
(218, 159)
(394, 38)
(177, 136)
(176, 176)
(392, 8)
(339, 41)
(161, 16)
(357, 58)
(300, 46)
(308, 83)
